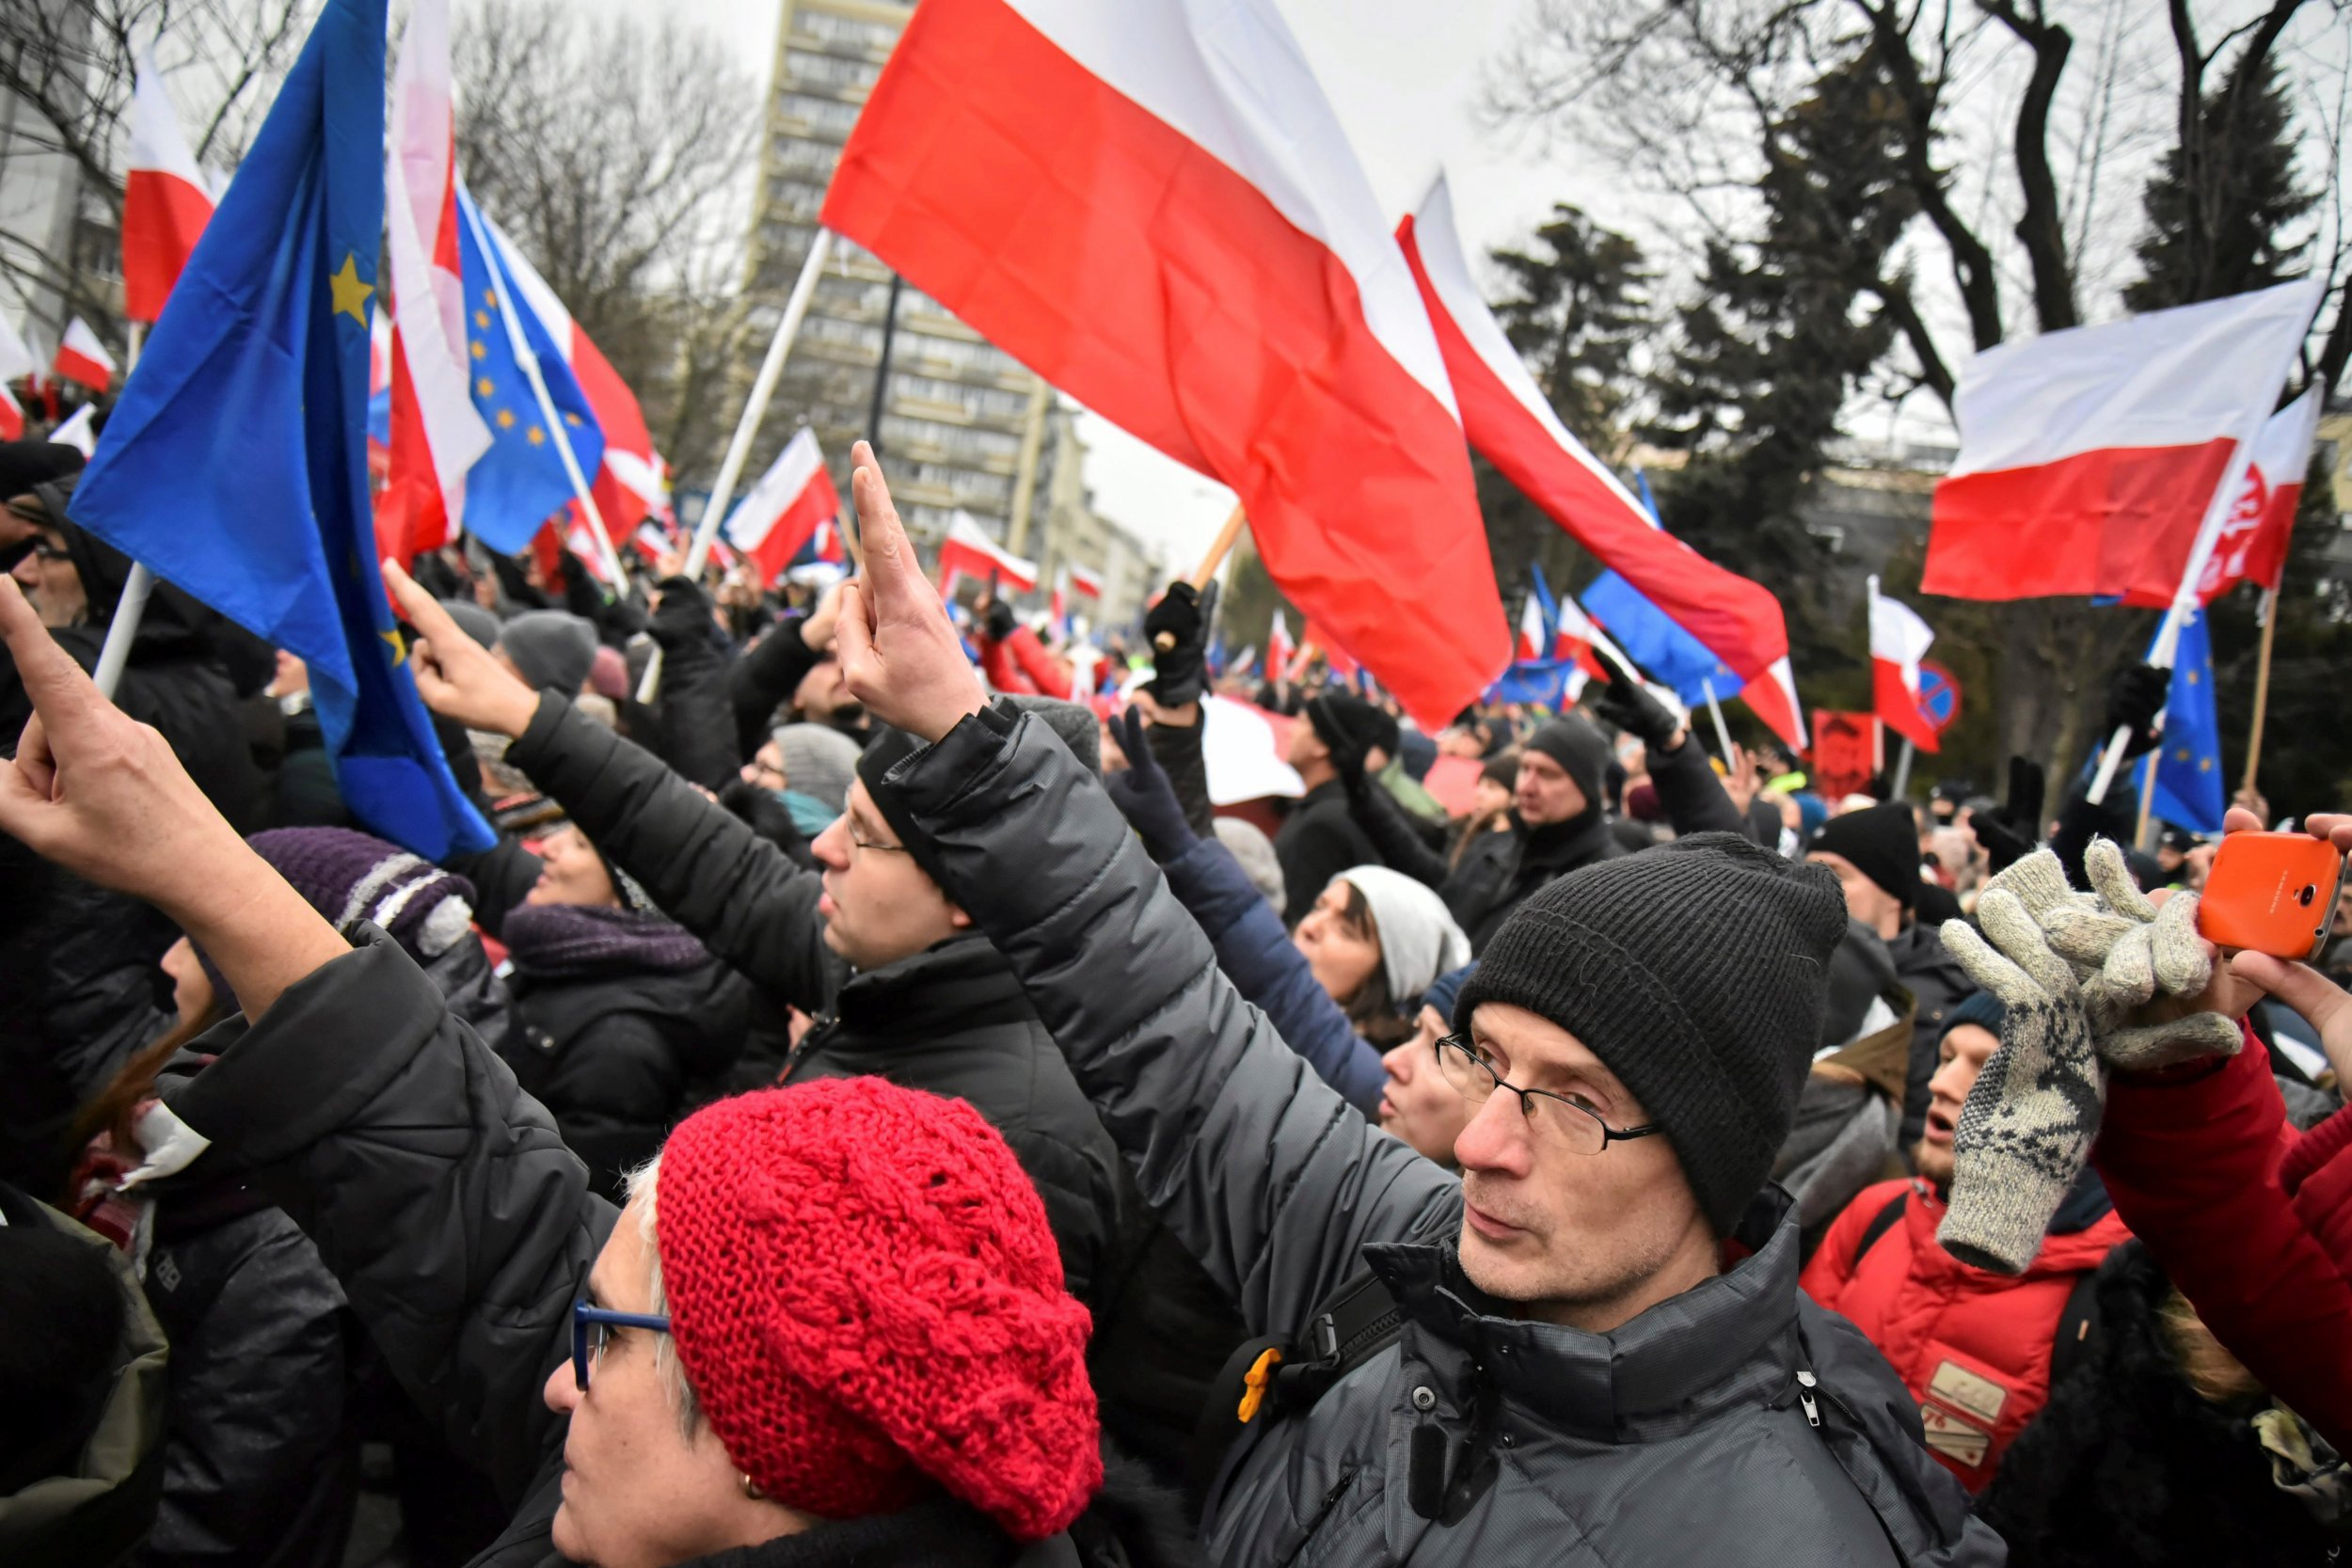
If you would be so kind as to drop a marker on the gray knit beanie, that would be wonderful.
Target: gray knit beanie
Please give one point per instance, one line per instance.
(1696, 971)
(818, 761)
(550, 648)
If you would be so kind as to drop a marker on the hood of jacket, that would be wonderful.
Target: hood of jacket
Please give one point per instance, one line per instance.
(955, 987)
(1881, 1058)
(111, 1495)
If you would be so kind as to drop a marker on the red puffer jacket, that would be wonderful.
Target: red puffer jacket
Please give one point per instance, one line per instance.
(2250, 1218)
(1973, 1346)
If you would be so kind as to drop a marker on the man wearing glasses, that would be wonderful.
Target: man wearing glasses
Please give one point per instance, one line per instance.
(1601, 1355)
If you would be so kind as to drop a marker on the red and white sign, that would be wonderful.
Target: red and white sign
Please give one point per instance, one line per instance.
(784, 509)
(1898, 640)
(968, 551)
(2088, 457)
(1154, 206)
(165, 204)
(1512, 423)
(81, 358)
(436, 433)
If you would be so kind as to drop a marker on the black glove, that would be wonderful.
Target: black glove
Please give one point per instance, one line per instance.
(999, 621)
(683, 617)
(2135, 694)
(1145, 795)
(1178, 630)
(1629, 705)
(2010, 835)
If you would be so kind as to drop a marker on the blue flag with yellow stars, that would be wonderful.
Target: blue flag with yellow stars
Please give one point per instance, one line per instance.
(236, 465)
(520, 481)
(2188, 777)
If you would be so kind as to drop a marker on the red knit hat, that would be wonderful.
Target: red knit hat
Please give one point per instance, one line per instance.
(864, 1293)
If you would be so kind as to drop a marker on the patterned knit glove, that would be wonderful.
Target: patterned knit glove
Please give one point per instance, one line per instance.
(2131, 953)
(2027, 1126)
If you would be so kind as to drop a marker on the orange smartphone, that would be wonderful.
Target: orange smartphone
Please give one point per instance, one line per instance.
(2271, 893)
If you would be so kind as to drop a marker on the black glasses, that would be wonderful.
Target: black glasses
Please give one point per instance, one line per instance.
(1557, 1120)
(592, 1326)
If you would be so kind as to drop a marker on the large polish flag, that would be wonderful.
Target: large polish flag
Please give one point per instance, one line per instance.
(1512, 423)
(1152, 205)
(2088, 457)
(782, 512)
(16, 360)
(2252, 545)
(1898, 640)
(968, 551)
(81, 357)
(436, 433)
(165, 202)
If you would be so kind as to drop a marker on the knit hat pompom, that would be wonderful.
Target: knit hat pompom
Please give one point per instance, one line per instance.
(864, 1293)
(1696, 972)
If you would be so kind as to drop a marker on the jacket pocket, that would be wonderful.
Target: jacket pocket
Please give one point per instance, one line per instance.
(1332, 1497)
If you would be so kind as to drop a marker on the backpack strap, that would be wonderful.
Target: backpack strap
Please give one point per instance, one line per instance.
(2077, 1328)
(1881, 1223)
(1273, 1374)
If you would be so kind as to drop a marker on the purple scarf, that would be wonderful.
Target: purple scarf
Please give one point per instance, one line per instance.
(564, 941)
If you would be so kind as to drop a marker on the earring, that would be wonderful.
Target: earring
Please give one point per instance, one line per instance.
(751, 1490)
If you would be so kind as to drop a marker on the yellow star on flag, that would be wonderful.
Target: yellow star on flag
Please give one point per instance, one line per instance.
(538, 437)
(489, 297)
(351, 292)
(572, 419)
(481, 319)
(506, 418)
(2204, 765)
(400, 649)
(483, 388)
(479, 351)
(2191, 676)
(2181, 755)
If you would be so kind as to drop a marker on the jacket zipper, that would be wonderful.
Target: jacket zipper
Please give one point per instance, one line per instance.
(1805, 1384)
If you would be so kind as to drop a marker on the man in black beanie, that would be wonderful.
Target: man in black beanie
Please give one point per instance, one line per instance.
(1319, 839)
(1875, 855)
(1558, 824)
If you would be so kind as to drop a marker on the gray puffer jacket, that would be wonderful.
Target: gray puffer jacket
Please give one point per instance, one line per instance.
(1682, 1437)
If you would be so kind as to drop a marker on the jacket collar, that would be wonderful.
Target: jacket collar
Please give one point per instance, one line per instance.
(959, 984)
(937, 1532)
(1725, 1342)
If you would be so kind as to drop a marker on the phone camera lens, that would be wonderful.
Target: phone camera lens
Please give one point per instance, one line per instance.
(2310, 892)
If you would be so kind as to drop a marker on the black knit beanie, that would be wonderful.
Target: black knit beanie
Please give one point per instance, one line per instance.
(1696, 971)
(1883, 842)
(1340, 717)
(1581, 750)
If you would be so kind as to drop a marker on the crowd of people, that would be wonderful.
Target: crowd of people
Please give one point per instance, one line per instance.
(871, 1107)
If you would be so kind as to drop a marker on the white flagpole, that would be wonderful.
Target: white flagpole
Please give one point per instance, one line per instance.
(529, 360)
(756, 407)
(131, 609)
(1723, 733)
(1902, 767)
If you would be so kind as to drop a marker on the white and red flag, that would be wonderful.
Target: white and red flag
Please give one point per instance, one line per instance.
(2252, 545)
(1575, 638)
(1512, 423)
(1534, 637)
(2088, 457)
(80, 432)
(165, 202)
(781, 513)
(436, 433)
(1898, 640)
(968, 551)
(1280, 649)
(1088, 582)
(1154, 206)
(16, 360)
(81, 358)
(1773, 697)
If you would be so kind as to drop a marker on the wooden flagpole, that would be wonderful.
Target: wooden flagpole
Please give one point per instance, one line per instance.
(2261, 686)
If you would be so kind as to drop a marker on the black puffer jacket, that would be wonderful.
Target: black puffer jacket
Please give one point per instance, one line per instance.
(1499, 871)
(953, 1021)
(410, 1114)
(2127, 1463)
(1316, 842)
(1684, 1436)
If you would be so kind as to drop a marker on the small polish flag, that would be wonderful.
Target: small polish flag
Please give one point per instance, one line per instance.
(80, 432)
(1280, 649)
(968, 551)
(11, 417)
(1534, 637)
(165, 202)
(784, 508)
(81, 358)
(1773, 697)
(1087, 581)
(1898, 640)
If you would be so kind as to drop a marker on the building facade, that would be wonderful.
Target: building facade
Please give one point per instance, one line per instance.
(956, 411)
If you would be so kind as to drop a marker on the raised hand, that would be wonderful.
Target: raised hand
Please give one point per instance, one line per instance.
(457, 675)
(102, 794)
(1145, 796)
(1626, 703)
(899, 654)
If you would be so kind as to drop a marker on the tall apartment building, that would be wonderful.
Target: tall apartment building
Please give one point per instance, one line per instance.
(956, 410)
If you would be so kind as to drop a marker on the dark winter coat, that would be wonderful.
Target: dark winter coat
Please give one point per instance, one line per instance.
(953, 1021)
(1678, 1438)
(1498, 872)
(411, 1115)
(2127, 1463)
(1938, 984)
(1317, 841)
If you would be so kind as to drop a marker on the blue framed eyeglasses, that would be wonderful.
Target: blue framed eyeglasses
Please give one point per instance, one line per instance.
(593, 1326)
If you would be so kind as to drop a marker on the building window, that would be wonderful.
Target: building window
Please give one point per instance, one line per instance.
(825, 115)
(830, 71)
(927, 437)
(852, 32)
(980, 403)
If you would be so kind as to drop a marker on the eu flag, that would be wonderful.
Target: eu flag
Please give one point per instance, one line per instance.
(2189, 774)
(236, 465)
(512, 489)
(1538, 682)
